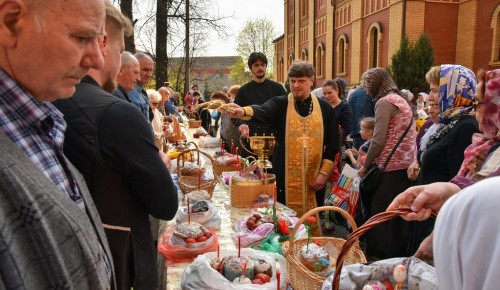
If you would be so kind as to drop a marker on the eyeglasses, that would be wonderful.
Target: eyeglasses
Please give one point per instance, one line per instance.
(476, 104)
(154, 104)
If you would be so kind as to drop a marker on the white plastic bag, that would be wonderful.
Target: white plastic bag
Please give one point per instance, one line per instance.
(209, 219)
(200, 275)
(420, 274)
(208, 142)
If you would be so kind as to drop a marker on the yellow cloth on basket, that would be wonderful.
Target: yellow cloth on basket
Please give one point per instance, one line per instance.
(303, 155)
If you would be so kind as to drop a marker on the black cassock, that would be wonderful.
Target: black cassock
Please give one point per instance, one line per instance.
(273, 113)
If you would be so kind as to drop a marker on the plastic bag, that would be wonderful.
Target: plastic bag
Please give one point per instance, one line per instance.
(209, 219)
(175, 250)
(208, 142)
(345, 194)
(259, 234)
(420, 274)
(200, 275)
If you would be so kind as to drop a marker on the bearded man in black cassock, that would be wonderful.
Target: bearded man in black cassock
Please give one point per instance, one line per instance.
(306, 139)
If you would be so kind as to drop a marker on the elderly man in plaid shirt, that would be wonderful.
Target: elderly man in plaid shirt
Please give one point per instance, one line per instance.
(51, 236)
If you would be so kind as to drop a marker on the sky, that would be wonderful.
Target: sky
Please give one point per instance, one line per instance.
(244, 10)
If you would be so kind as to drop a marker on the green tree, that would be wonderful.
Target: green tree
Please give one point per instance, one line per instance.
(410, 64)
(239, 73)
(257, 35)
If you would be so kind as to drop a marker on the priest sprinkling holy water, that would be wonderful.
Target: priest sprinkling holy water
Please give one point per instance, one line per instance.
(306, 141)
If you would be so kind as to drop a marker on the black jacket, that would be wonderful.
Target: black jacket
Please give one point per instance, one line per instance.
(111, 144)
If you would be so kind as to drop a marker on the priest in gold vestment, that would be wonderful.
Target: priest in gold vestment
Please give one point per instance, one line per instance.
(306, 141)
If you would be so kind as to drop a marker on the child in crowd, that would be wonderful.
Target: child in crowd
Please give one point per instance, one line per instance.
(357, 157)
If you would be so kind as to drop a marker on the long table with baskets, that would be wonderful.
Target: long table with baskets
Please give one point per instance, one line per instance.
(171, 277)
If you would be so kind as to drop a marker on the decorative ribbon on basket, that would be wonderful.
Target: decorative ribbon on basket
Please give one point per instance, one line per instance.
(345, 194)
(301, 277)
(352, 239)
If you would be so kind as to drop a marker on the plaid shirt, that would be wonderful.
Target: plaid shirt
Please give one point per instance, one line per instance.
(38, 129)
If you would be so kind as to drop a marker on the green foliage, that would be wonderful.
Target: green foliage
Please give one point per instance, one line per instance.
(410, 64)
(239, 75)
(257, 35)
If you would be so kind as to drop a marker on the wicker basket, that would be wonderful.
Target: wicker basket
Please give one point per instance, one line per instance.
(190, 183)
(354, 236)
(244, 192)
(194, 120)
(302, 278)
(218, 168)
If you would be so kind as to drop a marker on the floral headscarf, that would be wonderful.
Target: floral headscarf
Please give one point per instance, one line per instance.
(457, 86)
(477, 152)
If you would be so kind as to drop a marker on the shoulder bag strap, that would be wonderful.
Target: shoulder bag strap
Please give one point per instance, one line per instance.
(397, 144)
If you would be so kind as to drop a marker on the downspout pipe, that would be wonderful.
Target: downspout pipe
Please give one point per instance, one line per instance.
(333, 38)
(403, 21)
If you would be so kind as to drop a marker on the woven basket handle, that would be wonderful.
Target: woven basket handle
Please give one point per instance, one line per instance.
(179, 157)
(315, 211)
(194, 114)
(370, 223)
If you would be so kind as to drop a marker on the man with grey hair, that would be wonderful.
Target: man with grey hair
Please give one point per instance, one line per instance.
(138, 96)
(51, 236)
(306, 140)
(127, 76)
(127, 176)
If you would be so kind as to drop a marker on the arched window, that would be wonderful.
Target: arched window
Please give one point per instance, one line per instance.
(303, 54)
(342, 54)
(495, 45)
(304, 7)
(320, 61)
(374, 38)
(290, 60)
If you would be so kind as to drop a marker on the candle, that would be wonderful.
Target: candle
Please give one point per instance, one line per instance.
(232, 147)
(275, 194)
(221, 144)
(189, 213)
(244, 268)
(218, 251)
(239, 245)
(278, 274)
(199, 180)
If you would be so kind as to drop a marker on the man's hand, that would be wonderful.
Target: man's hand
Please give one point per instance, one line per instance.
(319, 182)
(424, 251)
(413, 171)
(234, 111)
(244, 130)
(166, 160)
(424, 199)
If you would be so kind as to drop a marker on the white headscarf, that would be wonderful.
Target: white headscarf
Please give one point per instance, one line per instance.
(467, 238)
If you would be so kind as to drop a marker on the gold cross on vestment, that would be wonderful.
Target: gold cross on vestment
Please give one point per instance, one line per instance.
(304, 138)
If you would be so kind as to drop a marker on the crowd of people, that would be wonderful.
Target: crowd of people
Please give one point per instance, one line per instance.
(85, 178)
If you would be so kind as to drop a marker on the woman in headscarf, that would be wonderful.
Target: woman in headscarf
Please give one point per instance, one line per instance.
(422, 101)
(442, 151)
(483, 163)
(157, 123)
(393, 116)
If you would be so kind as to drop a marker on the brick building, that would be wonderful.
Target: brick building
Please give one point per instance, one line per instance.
(210, 73)
(343, 38)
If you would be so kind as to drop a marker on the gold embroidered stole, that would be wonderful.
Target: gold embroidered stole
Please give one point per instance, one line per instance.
(303, 155)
